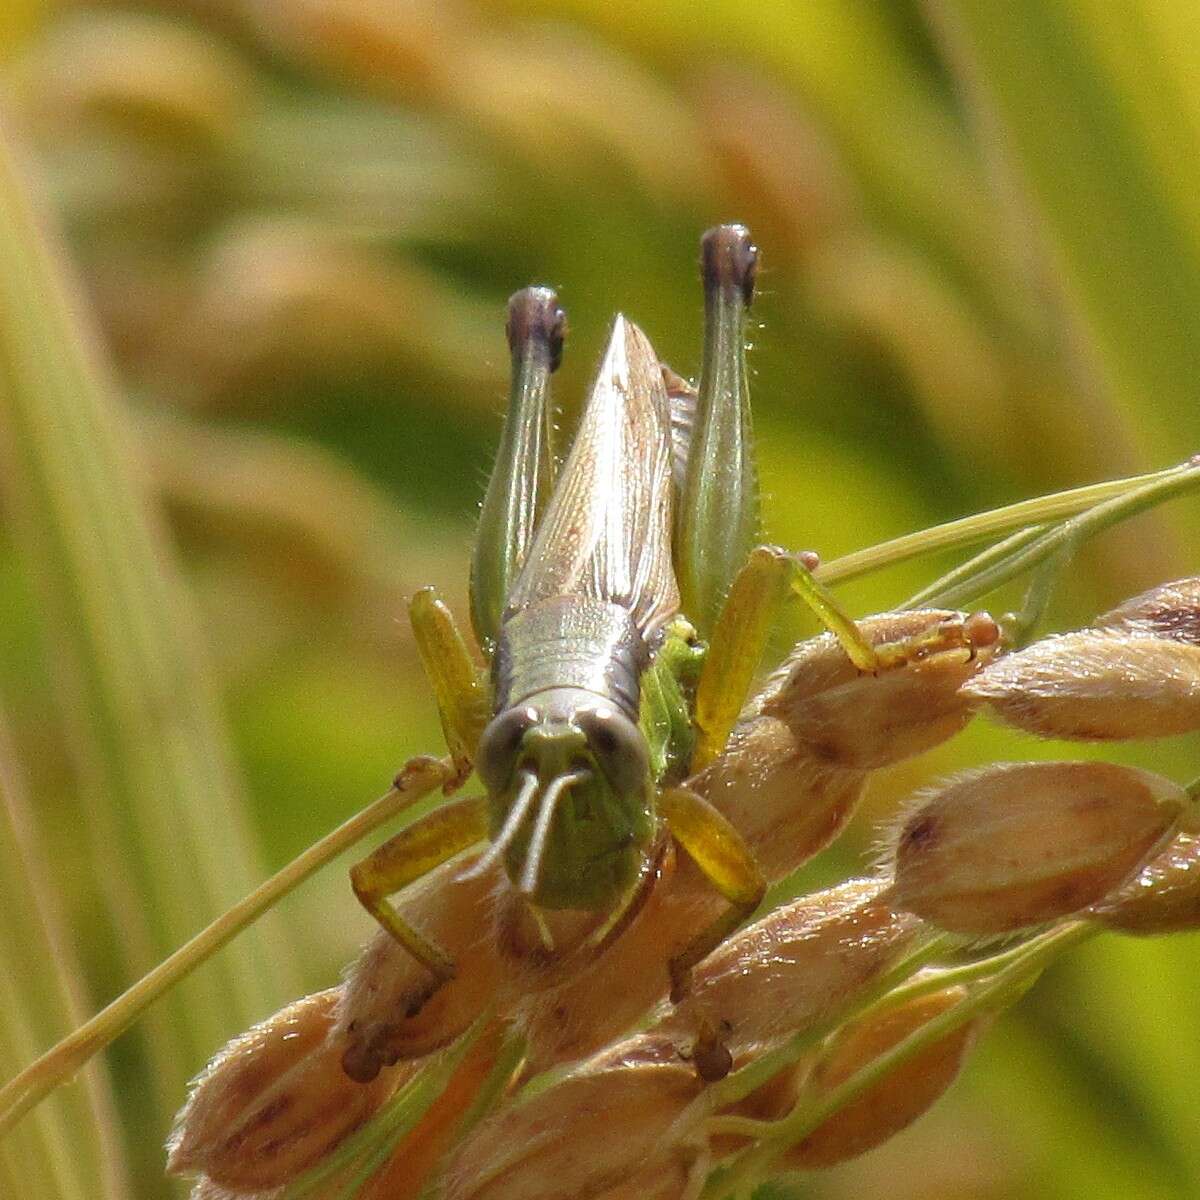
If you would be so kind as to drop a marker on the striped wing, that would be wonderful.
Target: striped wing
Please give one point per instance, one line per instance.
(606, 533)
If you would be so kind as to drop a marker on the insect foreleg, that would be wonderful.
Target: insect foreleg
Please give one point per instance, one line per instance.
(407, 857)
(726, 862)
(459, 685)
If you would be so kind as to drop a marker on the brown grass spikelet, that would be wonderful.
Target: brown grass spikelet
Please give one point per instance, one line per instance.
(1163, 897)
(371, 1020)
(1170, 610)
(1096, 685)
(583, 1137)
(792, 967)
(915, 701)
(274, 1102)
(1017, 844)
(898, 1099)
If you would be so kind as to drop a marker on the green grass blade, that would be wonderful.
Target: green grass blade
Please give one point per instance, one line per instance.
(1070, 131)
(69, 1151)
(158, 802)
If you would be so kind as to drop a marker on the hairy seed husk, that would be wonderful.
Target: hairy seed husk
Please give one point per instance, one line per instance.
(1096, 685)
(1018, 844)
(792, 967)
(372, 1024)
(898, 1099)
(787, 805)
(1163, 897)
(583, 1137)
(1171, 611)
(913, 702)
(273, 1102)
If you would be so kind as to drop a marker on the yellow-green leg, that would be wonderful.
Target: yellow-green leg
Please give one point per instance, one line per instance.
(459, 685)
(741, 633)
(725, 861)
(411, 854)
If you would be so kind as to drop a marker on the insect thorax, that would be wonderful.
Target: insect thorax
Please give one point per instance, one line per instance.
(569, 643)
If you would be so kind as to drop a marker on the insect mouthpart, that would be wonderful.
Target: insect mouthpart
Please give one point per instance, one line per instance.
(522, 806)
(541, 830)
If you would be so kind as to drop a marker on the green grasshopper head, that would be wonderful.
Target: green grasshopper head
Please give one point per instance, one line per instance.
(570, 791)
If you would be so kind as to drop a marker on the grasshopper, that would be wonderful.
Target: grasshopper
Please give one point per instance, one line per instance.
(623, 604)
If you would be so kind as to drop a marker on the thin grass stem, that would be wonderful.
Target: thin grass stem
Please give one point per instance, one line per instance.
(61, 1062)
(969, 530)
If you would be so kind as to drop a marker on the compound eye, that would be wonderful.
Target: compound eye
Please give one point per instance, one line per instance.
(500, 744)
(618, 746)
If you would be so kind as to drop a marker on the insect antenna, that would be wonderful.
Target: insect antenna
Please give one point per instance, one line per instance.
(514, 820)
(541, 831)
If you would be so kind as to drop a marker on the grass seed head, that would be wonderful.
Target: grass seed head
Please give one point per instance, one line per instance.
(792, 967)
(898, 1099)
(1171, 611)
(1096, 685)
(1018, 844)
(786, 804)
(583, 1137)
(372, 1025)
(847, 718)
(274, 1102)
(1163, 897)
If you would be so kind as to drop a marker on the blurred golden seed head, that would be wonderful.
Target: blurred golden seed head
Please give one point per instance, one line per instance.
(1096, 685)
(1163, 897)
(849, 719)
(1017, 844)
(895, 1101)
(546, 92)
(148, 77)
(792, 967)
(286, 299)
(1171, 610)
(274, 1102)
(783, 166)
(398, 49)
(584, 1136)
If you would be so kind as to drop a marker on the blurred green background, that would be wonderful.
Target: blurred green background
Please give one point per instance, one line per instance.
(296, 224)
